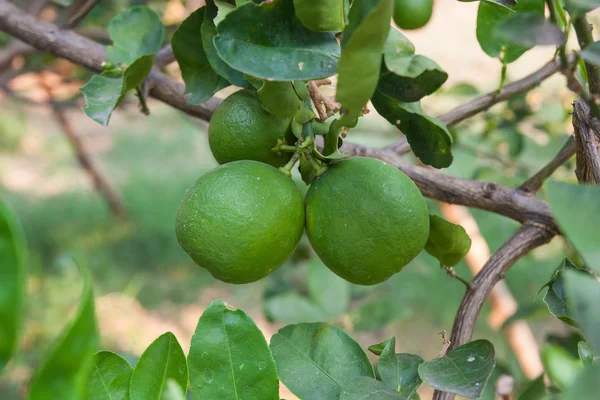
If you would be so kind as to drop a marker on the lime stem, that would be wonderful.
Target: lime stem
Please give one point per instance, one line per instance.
(298, 150)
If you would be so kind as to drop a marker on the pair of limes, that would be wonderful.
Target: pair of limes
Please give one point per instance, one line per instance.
(364, 218)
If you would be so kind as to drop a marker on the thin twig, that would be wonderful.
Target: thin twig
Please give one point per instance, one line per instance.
(452, 273)
(325, 105)
(533, 184)
(78, 11)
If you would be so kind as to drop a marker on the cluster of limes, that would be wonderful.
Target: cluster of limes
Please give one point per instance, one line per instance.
(241, 221)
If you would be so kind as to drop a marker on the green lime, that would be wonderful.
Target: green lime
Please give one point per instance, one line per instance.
(412, 14)
(366, 220)
(241, 130)
(241, 221)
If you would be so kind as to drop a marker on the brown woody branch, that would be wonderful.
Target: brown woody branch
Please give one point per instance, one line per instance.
(534, 183)
(587, 141)
(527, 238)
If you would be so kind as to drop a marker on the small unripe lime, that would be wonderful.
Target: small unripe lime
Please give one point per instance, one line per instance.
(366, 220)
(241, 221)
(241, 130)
(412, 14)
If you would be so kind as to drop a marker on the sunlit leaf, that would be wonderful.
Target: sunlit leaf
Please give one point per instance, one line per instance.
(229, 357)
(135, 32)
(362, 44)
(162, 360)
(110, 377)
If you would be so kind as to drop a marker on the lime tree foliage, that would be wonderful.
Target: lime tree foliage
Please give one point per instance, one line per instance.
(364, 217)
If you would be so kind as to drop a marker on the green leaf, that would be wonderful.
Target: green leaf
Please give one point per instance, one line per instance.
(289, 308)
(229, 358)
(13, 280)
(580, 7)
(281, 100)
(362, 44)
(269, 42)
(490, 17)
(103, 93)
(399, 372)
(209, 31)
(555, 297)
(560, 366)
(322, 16)
(583, 298)
(529, 29)
(163, 359)
(586, 355)
(463, 371)
(505, 4)
(135, 32)
(535, 390)
(201, 81)
(447, 242)
(224, 9)
(378, 348)
(574, 207)
(330, 292)
(428, 136)
(110, 377)
(405, 76)
(586, 386)
(591, 53)
(316, 361)
(64, 369)
(364, 388)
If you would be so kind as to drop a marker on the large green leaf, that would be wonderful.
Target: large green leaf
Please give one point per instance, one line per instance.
(575, 209)
(364, 388)
(281, 100)
(269, 42)
(103, 93)
(362, 44)
(583, 298)
(428, 137)
(229, 358)
(322, 16)
(556, 297)
(447, 242)
(490, 17)
(290, 308)
(110, 377)
(316, 361)
(162, 360)
(405, 76)
(463, 371)
(560, 366)
(64, 370)
(201, 81)
(399, 372)
(135, 32)
(209, 31)
(13, 279)
(586, 386)
(529, 29)
(330, 292)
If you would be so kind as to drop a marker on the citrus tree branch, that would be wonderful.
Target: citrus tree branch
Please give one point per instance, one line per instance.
(534, 183)
(527, 238)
